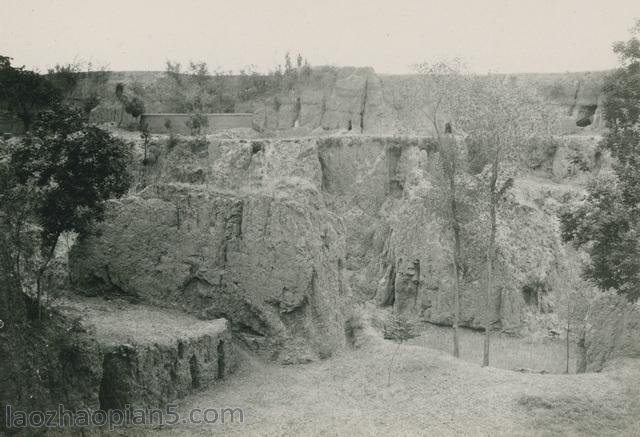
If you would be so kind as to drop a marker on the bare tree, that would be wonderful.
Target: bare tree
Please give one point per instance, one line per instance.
(501, 116)
(440, 86)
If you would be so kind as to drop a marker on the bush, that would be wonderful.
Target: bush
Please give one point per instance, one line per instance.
(172, 142)
(398, 328)
(199, 144)
(196, 122)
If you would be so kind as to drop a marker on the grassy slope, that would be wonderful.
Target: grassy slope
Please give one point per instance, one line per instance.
(507, 352)
(430, 394)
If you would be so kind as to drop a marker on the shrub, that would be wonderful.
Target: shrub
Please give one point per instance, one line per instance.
(196, 122)
(398, 328)
(172, 142)
(199, 144)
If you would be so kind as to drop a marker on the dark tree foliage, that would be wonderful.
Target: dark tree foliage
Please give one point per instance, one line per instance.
(64, 77)
(607, 224)
(134, 106)
(24, 92)
(77, 166)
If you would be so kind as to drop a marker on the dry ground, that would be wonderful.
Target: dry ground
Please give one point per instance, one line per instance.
(431, 393)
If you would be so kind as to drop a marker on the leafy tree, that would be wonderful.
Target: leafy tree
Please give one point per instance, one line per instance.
(77, 84)
(134, 106)
(65, 77)
(174, 71)
(501, 117)
(17, 239)
(196, 122)
(73, 168)
(24, 92)
(607, 223)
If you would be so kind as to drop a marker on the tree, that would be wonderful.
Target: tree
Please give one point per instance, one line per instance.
(196, 122)
(575, 297)
(500, 117)
(174, 70)
(288, 65)
(65, 77)
(73, 168)
(75, 85)
(134, 106)
(24, 92)
(145, 135)
(17, 239)
(607, 224)
(399, 329)
(441, 82)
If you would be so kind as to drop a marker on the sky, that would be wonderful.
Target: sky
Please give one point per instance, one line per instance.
(390, 36)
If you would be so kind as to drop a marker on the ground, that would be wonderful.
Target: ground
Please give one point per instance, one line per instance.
(431, 393)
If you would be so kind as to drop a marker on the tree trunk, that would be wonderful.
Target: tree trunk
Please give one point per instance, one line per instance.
(456, 275)
(455, 227)
(391, 363)
(568, 330)
(487, 326)
(41, 272)
(493, 200)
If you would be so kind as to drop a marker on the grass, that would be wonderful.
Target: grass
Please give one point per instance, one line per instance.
(583, 415)
(431, 393)
(507, 352)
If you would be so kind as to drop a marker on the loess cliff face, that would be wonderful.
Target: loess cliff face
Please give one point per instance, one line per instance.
(358, 100)
(252, 242)
(349, 99)
(281, 237)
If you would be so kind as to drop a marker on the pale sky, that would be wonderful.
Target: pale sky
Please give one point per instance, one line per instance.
(491, 35)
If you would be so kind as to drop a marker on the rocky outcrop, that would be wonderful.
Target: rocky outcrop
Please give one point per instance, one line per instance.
(252, 243)
(274, 235)
(611, 332)
(92, 354)
(349, 99)
(398, 252)
(146, 357)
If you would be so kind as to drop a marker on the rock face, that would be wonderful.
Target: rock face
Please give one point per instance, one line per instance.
(348, 99)
(279, 235)
(398, 251)
(612, 329)
(110, 354)
(253, 244)
(148, 357)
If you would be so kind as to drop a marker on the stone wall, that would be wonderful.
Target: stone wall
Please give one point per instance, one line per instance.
(179, 123)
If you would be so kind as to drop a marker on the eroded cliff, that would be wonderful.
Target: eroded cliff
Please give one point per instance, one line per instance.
(282, 236)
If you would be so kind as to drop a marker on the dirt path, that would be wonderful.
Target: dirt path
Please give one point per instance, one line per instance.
(430, 394)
